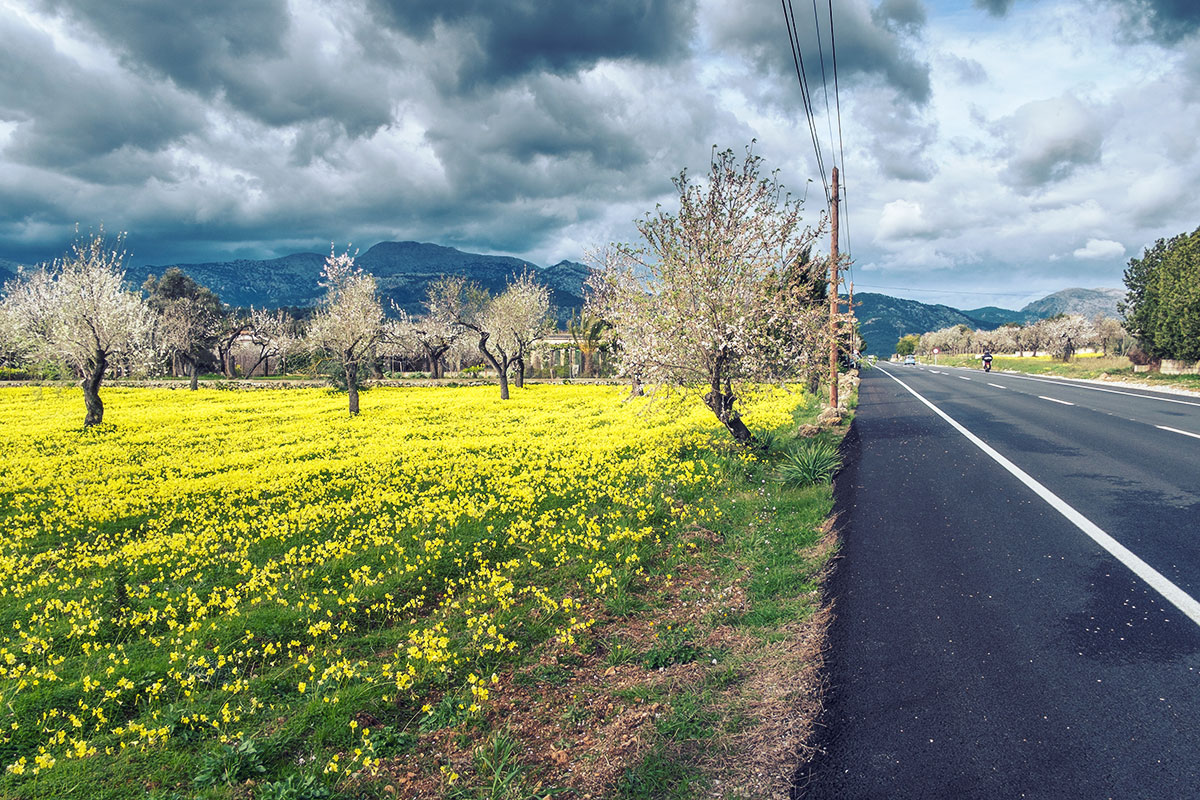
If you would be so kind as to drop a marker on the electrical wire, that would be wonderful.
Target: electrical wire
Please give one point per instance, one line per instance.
(837, 97)
(802, 77)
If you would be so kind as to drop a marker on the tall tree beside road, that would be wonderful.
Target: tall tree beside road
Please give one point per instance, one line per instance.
(1162, 307)
(1111, 335)
(350, 321)
(1066, 333)
(718, 291)
(190, 317)
(907, 345)
(78, 310)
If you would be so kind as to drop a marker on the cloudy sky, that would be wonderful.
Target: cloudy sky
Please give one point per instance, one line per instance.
(994, 151)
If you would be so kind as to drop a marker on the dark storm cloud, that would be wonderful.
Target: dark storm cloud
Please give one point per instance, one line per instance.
(997, 8)
(1166, 21)
(251, 54)
(872, 44)
(558, 36)
(550, 138)
(67, 116)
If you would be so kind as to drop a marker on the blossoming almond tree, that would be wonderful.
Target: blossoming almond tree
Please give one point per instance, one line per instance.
(78, 310)
(509, 325)
(434, 333)
(720, 292)
(350, 321)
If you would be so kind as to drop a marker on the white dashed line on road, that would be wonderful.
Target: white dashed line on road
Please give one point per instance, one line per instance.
(962, 377)
(998, 386)
(1053, 400)
(1155, 579)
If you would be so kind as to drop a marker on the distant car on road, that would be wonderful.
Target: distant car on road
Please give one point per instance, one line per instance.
(910, 360)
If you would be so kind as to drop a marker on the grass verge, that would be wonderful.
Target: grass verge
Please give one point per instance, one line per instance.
(700, 680)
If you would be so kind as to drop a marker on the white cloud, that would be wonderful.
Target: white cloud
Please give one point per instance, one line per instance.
(902, 219)
(1100, 250)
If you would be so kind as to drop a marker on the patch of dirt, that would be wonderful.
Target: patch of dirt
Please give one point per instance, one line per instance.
(581, 721)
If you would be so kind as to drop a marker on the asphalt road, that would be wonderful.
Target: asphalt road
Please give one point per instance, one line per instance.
(984, 645)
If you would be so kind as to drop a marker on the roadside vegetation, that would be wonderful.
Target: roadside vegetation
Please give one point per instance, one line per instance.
(253, 595)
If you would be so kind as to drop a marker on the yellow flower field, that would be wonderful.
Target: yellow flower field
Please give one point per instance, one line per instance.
(208, 564)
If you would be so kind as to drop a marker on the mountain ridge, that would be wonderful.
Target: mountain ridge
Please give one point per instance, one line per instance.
(403, 271)
(883, 319)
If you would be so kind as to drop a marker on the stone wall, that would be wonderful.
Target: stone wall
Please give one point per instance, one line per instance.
(1170, 367)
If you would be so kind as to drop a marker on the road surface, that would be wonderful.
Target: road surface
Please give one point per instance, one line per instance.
(1015, 597)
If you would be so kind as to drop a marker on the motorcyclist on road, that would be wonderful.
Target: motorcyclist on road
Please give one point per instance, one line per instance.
(987, 360)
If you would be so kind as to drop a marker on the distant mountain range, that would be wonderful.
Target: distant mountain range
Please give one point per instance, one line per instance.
(8, 271)
(404, 271)
(882, 319)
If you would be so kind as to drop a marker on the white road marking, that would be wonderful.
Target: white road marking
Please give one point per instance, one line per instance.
(1157, 581)
(962, 377)
(1176, 430)
(998, 386)
(1081, 385)
(1052, 400)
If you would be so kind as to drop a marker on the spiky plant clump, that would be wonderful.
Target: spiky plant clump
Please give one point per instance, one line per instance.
(812, 462)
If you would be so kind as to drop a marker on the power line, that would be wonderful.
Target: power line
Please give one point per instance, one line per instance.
(789, 18)
(837, 97)
(824, 81)
(836, 146)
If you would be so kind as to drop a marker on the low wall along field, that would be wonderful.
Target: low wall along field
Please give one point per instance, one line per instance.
(211, 566)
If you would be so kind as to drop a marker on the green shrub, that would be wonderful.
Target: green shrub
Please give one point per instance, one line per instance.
(296, 787)
(230, 764)
(812, 462)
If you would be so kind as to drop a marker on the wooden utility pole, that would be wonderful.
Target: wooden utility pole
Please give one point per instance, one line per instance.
(833, 295)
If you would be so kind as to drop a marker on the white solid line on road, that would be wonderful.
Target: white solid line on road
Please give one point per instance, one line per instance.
(1176, 430)
(998, 386)
(1157, 581)
(1052, 400)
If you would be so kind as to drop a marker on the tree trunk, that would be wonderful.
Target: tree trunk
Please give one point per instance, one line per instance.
(439, 364)
(721, 404)
(501, 370)
(91, 390)
(520, 362)
(587, 364)
(352, 386)
(194, 371)
(635, 389)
